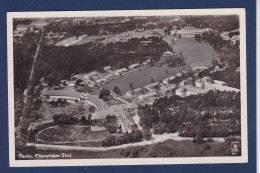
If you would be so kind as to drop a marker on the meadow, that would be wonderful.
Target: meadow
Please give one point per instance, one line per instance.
(193, 52)
(69, 134)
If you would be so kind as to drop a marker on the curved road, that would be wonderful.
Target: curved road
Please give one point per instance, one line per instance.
(155, 139)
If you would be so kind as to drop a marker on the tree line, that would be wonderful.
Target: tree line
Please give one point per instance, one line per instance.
(57, 63)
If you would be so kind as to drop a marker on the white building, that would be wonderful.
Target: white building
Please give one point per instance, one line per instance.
(107, 77)
(168, 54)
(181, 92)
(151, 86)
(178, 74)
(107, 68)
(166, 81)
(167, 89)
(82, 37)
(89, 75)
(67, 42)
(133, 66)
(145, 97)
(235, 38)
(120, 71)
(133, 92)
(22, 28)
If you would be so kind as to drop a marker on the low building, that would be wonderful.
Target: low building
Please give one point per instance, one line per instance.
(89, 75)
(97, 128)
(151, 86)
(120, 71)
(146, 96)
(133, 66)
(107, 68)
(219, 82)
(22, 28)
(167, 89)
(168, 54)
(136, 91)
(39, 23)
(131, 108)
(235, 38)
(146, 42)
(82, 37)
(181, 92)
(107, 77)
(178, 75)
(200, 68)
(167, 80)
(194, 91)
(222, 88)
(67, 41)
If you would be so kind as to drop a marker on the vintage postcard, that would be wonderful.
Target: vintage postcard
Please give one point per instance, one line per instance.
(135, 87)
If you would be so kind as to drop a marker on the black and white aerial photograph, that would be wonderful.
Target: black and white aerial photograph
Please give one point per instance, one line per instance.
(122, 87)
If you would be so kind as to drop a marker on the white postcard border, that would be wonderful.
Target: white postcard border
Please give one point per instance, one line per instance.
(126, 161)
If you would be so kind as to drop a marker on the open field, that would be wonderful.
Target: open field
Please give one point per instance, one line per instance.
(194, 51)
(191, 50)
(201, 63)
(63, 134)
(142, 77)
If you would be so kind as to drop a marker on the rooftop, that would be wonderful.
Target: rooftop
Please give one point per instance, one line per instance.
(150, 94)
(152, 85)
(62, 92)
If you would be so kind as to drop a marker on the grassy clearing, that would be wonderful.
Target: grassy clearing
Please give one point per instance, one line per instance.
(192, 50)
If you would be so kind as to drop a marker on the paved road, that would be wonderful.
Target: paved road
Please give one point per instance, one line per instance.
(155, 139)
(34, 61)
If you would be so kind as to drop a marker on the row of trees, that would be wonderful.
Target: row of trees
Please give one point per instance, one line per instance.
(58, 63)
(134, 136)
(187, 114)
(220, 23)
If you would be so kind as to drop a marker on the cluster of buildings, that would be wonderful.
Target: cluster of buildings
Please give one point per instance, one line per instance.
(34, 26)
(190, 31)
(202, 86)
(188, 86)
(70, 41)
(95, 79)
(234, 38)
(123, 113)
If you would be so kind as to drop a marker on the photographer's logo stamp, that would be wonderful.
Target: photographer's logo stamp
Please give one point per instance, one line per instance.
(234, 148)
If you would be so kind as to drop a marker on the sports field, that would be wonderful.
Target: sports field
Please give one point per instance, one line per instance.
(191, 50)
(69, 134)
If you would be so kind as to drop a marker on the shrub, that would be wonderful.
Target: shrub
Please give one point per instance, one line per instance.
(206, 147)
(209, 140)
(159, 128)
(134, 153)
(147, 134)
(127, 152)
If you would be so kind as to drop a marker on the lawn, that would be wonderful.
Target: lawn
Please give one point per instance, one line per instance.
(70, 133)
(193, 52)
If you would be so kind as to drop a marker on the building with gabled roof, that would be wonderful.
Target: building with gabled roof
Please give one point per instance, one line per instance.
(146, 96)
(151, 86)
(168, 54)
(166, 80)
